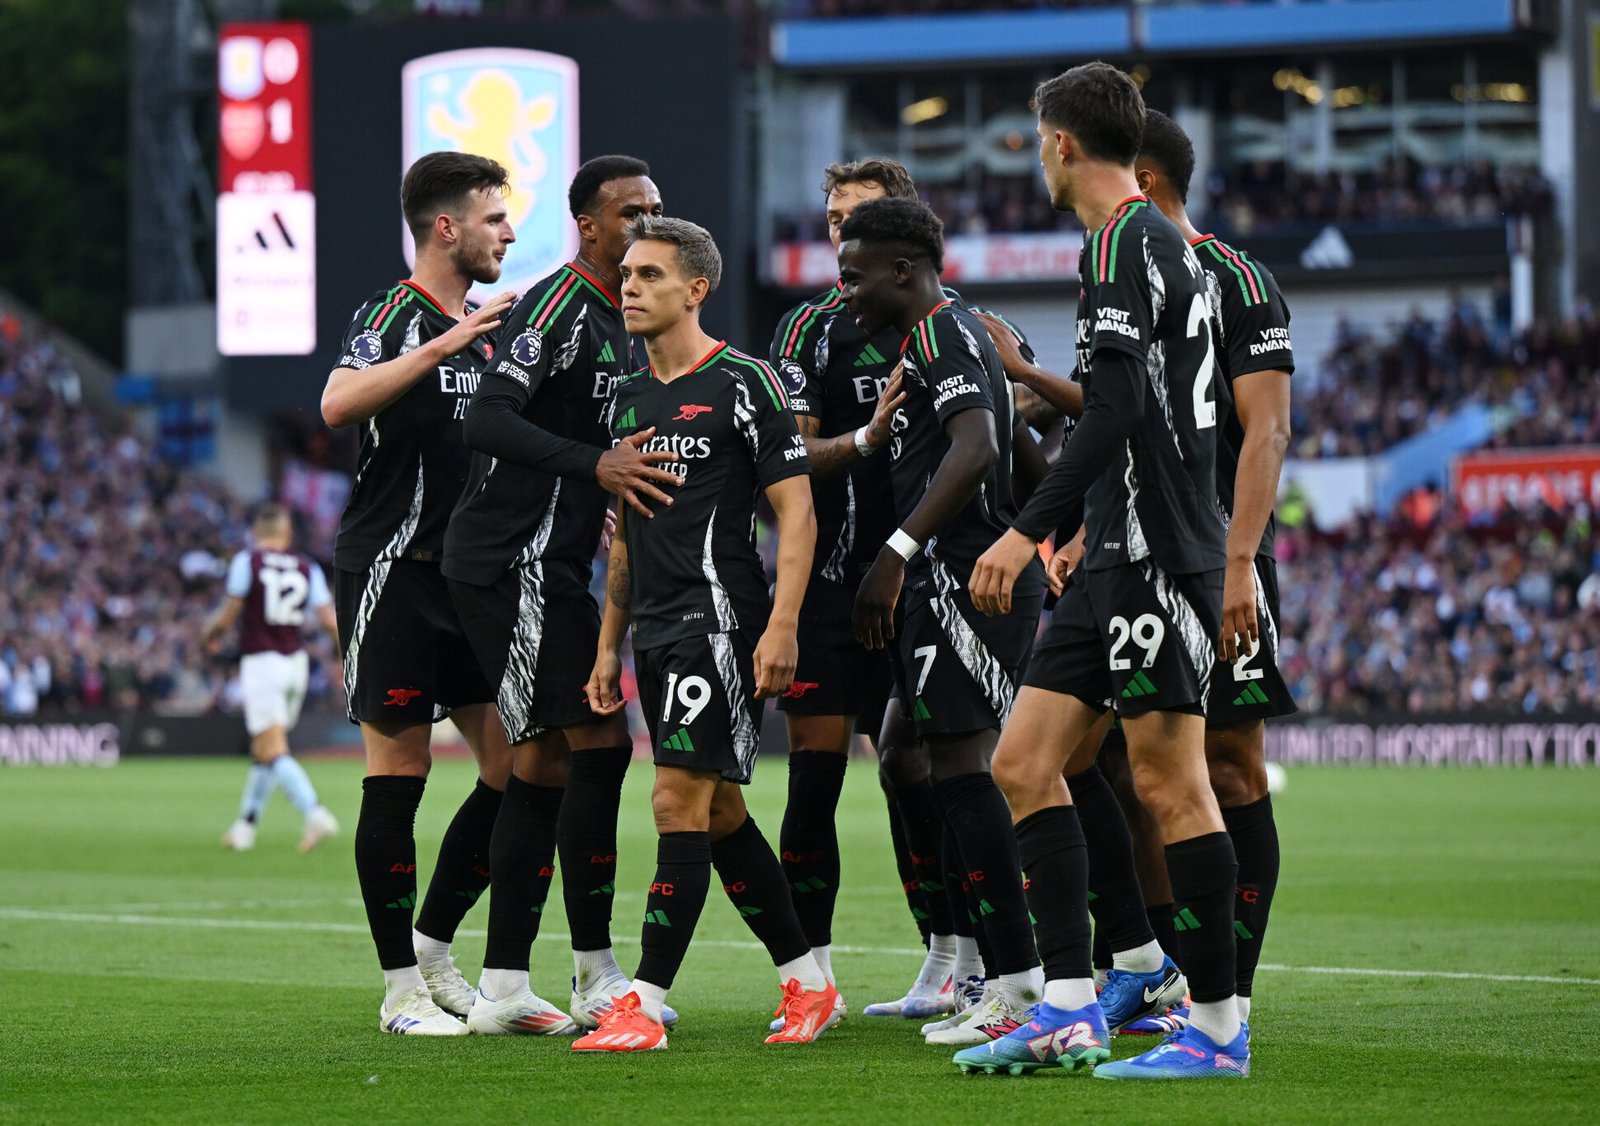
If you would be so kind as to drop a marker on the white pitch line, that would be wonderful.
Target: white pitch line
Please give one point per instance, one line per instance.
(1352, 971)
(129, 919)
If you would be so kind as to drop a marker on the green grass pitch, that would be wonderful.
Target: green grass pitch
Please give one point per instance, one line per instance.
(147, 975)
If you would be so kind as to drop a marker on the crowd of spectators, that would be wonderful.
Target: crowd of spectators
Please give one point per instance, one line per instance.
(1265, 196)
(112, 557)
(1255, 199)
(1386, 616)
(1376, 390)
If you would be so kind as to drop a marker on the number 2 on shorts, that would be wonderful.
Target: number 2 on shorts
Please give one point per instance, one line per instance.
(694, 694)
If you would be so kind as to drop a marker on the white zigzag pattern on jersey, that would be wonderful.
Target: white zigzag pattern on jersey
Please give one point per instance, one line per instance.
(726, 618)
(833, 570)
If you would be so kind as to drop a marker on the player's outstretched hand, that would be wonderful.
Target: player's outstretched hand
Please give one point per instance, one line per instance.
(1006, 344)
(1240, 631)
(997, 570)
(609, 532)
(632, 472)
(872, 618)
(776, 655)
(604, 690)
(889, 400)
(485, 318)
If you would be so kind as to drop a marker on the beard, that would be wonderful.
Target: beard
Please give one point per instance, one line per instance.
(480, 265)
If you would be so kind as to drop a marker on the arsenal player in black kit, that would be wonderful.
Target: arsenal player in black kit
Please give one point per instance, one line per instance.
(708, 648)
(518, 557)
(1137, 626)
(409, 363)
(950, 465)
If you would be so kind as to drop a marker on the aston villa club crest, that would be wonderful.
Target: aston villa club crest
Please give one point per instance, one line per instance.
(517, 107)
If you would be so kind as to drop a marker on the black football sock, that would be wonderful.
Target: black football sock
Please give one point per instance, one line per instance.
(957, 888)
(587, 837)
(522, 855)
(1055, 865)
(924, 828)
(1114, 896)
(1160, 917)
(462, 871)
(977, 814)
(1204, 874)
(916, 902)
(386, 863)
(809, 839)
(1100, 952)
(1255, 843)
(677, 896)
(753, 880)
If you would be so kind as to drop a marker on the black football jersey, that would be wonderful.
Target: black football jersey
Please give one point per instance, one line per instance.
(833, 371)
(412, 464)
(559, 356)
(695, 567)
(951, 366)
(1144, 293)
(1253, 321)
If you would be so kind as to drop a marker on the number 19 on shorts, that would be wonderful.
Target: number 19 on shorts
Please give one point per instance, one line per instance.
(693, 692)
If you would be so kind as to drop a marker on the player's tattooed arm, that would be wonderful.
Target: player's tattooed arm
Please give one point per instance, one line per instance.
(1056, 391)
(604, 689)
(831, 455)
(1034, 410)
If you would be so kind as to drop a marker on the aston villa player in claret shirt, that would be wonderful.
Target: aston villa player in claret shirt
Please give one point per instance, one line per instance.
(407, 369)
(709, 645)
(272, 592)
(518, 558)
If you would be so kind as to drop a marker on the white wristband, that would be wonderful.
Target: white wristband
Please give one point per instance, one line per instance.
(903, 545)
(864, 447)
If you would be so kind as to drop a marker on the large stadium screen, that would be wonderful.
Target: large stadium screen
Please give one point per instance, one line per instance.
(266, 212)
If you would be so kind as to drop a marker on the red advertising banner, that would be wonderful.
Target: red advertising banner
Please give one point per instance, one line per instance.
(1489, 482)
(264, 94)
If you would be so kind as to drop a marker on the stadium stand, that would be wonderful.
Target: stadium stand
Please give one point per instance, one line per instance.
(1389, 616)
(112, 559)
(1374, 391)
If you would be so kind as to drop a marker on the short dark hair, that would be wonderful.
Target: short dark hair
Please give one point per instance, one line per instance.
(1168, 149)
(1097, 104)
(908, 225)
(268, 517)
(698, 256)
(595, 174)
(441, 182)
(890, 175)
